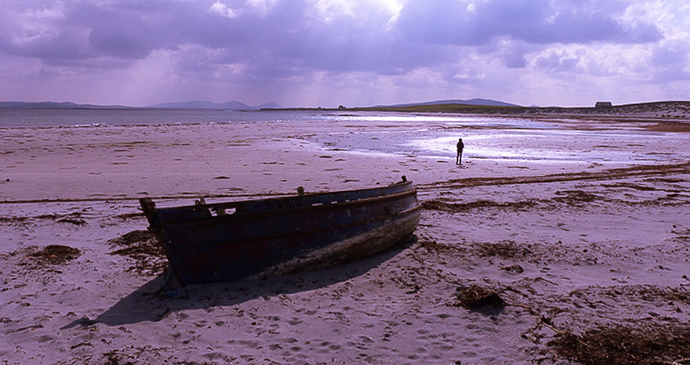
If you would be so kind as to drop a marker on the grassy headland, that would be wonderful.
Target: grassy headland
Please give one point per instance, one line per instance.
(663, 110)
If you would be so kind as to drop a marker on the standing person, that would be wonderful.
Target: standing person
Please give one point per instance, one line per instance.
(458, 157)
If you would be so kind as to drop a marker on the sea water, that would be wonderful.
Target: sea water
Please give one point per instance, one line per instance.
(11, 117)
(407, 134)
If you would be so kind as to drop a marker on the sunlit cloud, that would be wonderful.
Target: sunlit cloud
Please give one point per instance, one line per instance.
(404, 50)
(223, 10)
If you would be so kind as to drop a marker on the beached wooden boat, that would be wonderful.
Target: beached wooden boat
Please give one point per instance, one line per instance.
(219, 242)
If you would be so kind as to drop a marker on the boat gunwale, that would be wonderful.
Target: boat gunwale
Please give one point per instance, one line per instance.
(277, 199)
(214, 219)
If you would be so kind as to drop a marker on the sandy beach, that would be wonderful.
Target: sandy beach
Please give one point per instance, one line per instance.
(586, 256)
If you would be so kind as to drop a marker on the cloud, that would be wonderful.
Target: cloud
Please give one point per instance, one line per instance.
(558, 61)
(332, 35)
(406, 45)
(223, 10)
(534, 21)
(38, 32)
(671, 62)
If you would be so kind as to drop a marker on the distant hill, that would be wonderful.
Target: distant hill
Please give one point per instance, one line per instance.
(270, 105)
(55, 105)
(230, 105)
(661, 110)
(475, 101)
(656, 109)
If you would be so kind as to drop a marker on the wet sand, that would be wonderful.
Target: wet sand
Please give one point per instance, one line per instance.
(578, 251)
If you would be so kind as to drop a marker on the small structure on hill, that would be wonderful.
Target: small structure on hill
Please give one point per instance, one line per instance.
(603, 104)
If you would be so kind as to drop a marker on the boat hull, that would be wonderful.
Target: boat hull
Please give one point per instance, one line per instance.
(278, 236)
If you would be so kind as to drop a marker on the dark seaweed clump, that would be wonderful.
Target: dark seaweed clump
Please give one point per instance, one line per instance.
(479, 299)
(143, 247)
(641, 345)
(56, 254)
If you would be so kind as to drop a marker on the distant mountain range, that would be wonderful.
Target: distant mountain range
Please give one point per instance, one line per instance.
(55, 105)
(236, 105)
(231, 105)
(672, 108)
(476, 101)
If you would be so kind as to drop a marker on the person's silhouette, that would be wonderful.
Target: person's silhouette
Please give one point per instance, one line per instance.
(458, 157)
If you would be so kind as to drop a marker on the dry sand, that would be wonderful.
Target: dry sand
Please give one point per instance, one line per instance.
(581, 262)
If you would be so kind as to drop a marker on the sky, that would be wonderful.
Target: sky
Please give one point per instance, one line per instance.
(344, 52)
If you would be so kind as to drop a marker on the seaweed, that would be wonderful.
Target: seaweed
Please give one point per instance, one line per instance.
(143, 247)
(505, 250)
(479, 299)
(648, 344)
(56, 254)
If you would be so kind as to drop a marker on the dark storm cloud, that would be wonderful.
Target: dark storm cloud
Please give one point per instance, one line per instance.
(558, 62)
(286, 38)
(118, 32)
(533, 21)
(40, 36)
(671, 62)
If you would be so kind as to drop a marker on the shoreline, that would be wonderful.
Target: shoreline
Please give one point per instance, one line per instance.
(660, 111)
(665, 112)
(579, 252)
